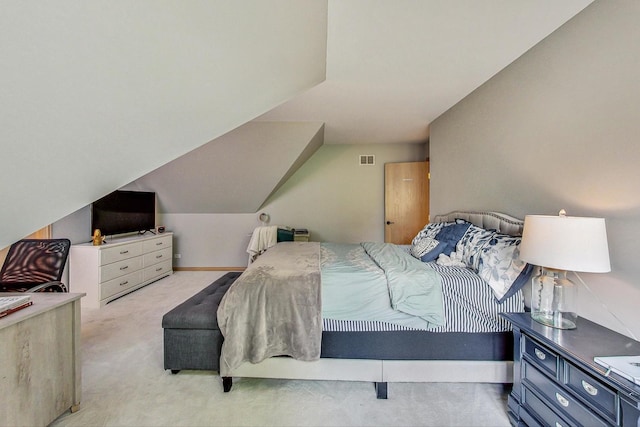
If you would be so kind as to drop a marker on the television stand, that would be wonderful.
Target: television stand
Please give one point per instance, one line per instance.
(107, 272)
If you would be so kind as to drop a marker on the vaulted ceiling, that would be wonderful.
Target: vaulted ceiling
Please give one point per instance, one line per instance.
(393, 66)
(97, 95)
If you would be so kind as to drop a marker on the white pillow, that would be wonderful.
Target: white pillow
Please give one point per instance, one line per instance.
(470, 245)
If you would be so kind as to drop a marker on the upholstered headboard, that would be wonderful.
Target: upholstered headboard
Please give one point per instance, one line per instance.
(500, 222)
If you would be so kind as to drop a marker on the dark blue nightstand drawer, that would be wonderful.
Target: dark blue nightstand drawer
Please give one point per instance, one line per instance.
(630, 411)
(540, 412)
(592, 391)
(541, 356)
(562, 401)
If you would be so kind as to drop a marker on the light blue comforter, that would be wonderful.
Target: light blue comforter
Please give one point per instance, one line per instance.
(382, 282)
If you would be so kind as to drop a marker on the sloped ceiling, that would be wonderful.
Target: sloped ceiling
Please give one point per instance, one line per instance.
(393, 66)
(97, 94)
(235, 173)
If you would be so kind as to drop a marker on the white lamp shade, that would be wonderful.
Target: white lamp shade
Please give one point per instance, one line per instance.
(565, 243)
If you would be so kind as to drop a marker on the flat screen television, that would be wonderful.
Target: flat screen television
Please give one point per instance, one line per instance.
(124, 212)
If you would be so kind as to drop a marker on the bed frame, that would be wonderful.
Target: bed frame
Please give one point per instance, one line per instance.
(381, 370)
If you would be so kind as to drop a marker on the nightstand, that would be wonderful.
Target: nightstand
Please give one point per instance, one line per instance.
(557, 383)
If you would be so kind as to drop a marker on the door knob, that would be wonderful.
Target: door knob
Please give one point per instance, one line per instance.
(390, 222)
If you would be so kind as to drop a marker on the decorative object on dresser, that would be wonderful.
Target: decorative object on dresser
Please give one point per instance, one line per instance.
(557, 244)
(557, 382)
(97, 238)
(109, 271)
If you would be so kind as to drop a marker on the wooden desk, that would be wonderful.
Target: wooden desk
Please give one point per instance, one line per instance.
(40, 360)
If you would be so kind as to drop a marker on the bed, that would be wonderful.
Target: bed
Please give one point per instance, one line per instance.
(462, 340)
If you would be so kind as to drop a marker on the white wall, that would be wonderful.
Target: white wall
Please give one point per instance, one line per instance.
(331, 195)
(556, 129)
(96, 94)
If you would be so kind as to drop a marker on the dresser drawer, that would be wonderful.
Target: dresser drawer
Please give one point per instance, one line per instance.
(120, 252)
(561, 400)
(592, 391)
(541, 356)
(157, 244)
(160, 269)
(156, 257)
(541, 414)
(630, 409)
(120, 268)
(120, 284)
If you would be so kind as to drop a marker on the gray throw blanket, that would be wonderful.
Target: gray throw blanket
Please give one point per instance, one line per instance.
(273, 308)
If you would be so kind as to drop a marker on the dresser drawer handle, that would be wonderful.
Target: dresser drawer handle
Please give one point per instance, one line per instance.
(124, 283)
(589, 388)
(124, 267)
(159, 244)
(159, 269)
(540, 354)
(124, 252)
(158, 256)
(563, 401)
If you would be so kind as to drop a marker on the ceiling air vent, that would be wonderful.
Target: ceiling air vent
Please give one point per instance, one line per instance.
(367, 159)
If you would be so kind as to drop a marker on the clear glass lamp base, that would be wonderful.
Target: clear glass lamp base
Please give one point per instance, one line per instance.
(553, 298)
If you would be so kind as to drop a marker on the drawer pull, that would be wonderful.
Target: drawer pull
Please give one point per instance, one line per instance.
(540, 354)
(124, 283)
(589, 388)
(562, 400)
(159, 269)
(124, 267)
(158, 256)
(159, 244)
(124, 252)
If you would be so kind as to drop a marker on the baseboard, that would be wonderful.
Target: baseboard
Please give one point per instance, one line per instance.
(209, 268)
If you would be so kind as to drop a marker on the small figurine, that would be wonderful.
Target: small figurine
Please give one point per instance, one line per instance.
(98, 238)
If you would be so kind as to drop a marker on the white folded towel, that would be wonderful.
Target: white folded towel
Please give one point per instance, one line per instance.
(262, 239)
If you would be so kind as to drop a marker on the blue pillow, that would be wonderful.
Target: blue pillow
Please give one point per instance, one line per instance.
(434, 253)
(450, 235)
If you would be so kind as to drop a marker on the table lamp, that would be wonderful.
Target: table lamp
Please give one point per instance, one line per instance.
(558, 244)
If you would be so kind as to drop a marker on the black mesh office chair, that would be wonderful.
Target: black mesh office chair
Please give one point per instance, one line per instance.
(35, 265)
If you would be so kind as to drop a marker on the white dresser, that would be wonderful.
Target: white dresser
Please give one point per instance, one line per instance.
(118, 267)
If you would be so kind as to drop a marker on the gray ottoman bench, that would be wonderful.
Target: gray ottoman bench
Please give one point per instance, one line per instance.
(192, 339)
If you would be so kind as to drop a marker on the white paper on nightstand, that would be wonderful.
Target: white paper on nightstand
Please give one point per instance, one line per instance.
(626, 366)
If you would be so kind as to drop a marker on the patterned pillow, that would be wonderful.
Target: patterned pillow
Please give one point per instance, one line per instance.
(470, 245)
(422, 246)
(430, 230)
(501, 267)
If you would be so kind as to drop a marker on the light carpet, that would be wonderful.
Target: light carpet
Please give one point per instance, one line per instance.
(124, 384)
